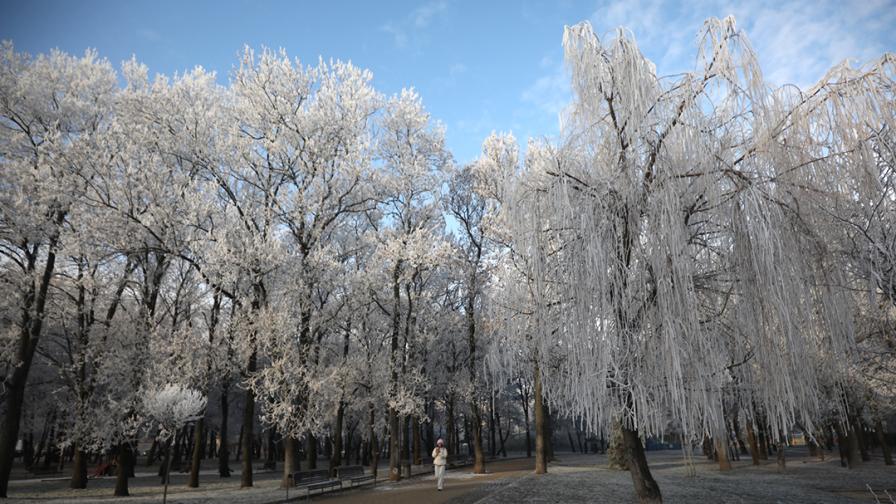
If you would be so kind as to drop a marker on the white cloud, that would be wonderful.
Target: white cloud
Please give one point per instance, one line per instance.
(548, 95)
(149, 34)
(424, 14)
(414, 22)
(796, 41)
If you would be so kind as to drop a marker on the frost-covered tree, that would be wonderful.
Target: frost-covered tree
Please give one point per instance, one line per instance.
(309, 128)
(54, 111)
(170, 409)
(667, 247)
(407, 223)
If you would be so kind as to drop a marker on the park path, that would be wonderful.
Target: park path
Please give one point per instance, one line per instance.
(458, 482)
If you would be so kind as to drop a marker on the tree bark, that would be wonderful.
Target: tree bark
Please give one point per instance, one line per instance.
(859, 431)
(478, 454)
(492, 442)
(524, 399)
(541, 460)
(884, 445)
(722, 451)
(290, 458)
(198, 440)
(782, 462)
(616, 454)
(763, 443)
(854, 452)
(374, 449)
(645, 486)
(270, 448)
(124, 461)
(248, 428)
(153, 452)
(224, 448)
(178, 442)
(26, 345)
(416, 440)
(79, 469)
(842, 444)
(754, 445)
(451, 427)
(311, 451)
(394, 425)
(336, 455)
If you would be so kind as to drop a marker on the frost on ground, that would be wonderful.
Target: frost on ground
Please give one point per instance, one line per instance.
(571, 479)
(147, 489)
(805, 480)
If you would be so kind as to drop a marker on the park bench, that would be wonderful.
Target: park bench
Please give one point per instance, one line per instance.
(102, 469)
(354, 475)
(314, 480)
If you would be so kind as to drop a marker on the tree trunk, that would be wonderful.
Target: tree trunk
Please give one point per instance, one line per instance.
(859, 431)
(502, 438)
(165, 466)
(248, 427)
(478, 454)
(741, 446)
(224, 448)
(336, 454)
(854, 453)
(374, 449)
(79, 469)
(451, 427)
(28, 449)
(645, 486)
(763, 443)
(270, 460)
(290, 457)
(431, 429)
(124, 461)
(416, 440)
(842, 444)
(406, 445)
(782, 462)
(394, 446)
(541, 461)
(616, 458)
(198, 441)
(721, 445)
(524, 398)
(754, 445)
(153, 452)
(492, 442)
(26, 345)
(884, 446)
(311, 451)
(178, 452)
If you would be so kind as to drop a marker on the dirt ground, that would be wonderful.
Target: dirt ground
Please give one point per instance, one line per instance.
(572, 478)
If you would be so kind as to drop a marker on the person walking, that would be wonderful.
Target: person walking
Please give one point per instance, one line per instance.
(439, 460)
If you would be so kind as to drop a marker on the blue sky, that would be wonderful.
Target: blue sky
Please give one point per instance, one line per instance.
(480, 66)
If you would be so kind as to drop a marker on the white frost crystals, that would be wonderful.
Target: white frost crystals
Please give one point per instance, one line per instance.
(173, 406)
(667, 239)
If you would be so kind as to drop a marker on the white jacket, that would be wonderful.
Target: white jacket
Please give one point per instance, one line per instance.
(440, 456)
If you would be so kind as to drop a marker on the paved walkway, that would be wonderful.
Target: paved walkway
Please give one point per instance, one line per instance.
(145, 488)
(458, 482)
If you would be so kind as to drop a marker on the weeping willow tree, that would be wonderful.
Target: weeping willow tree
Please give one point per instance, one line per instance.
(672, 268)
